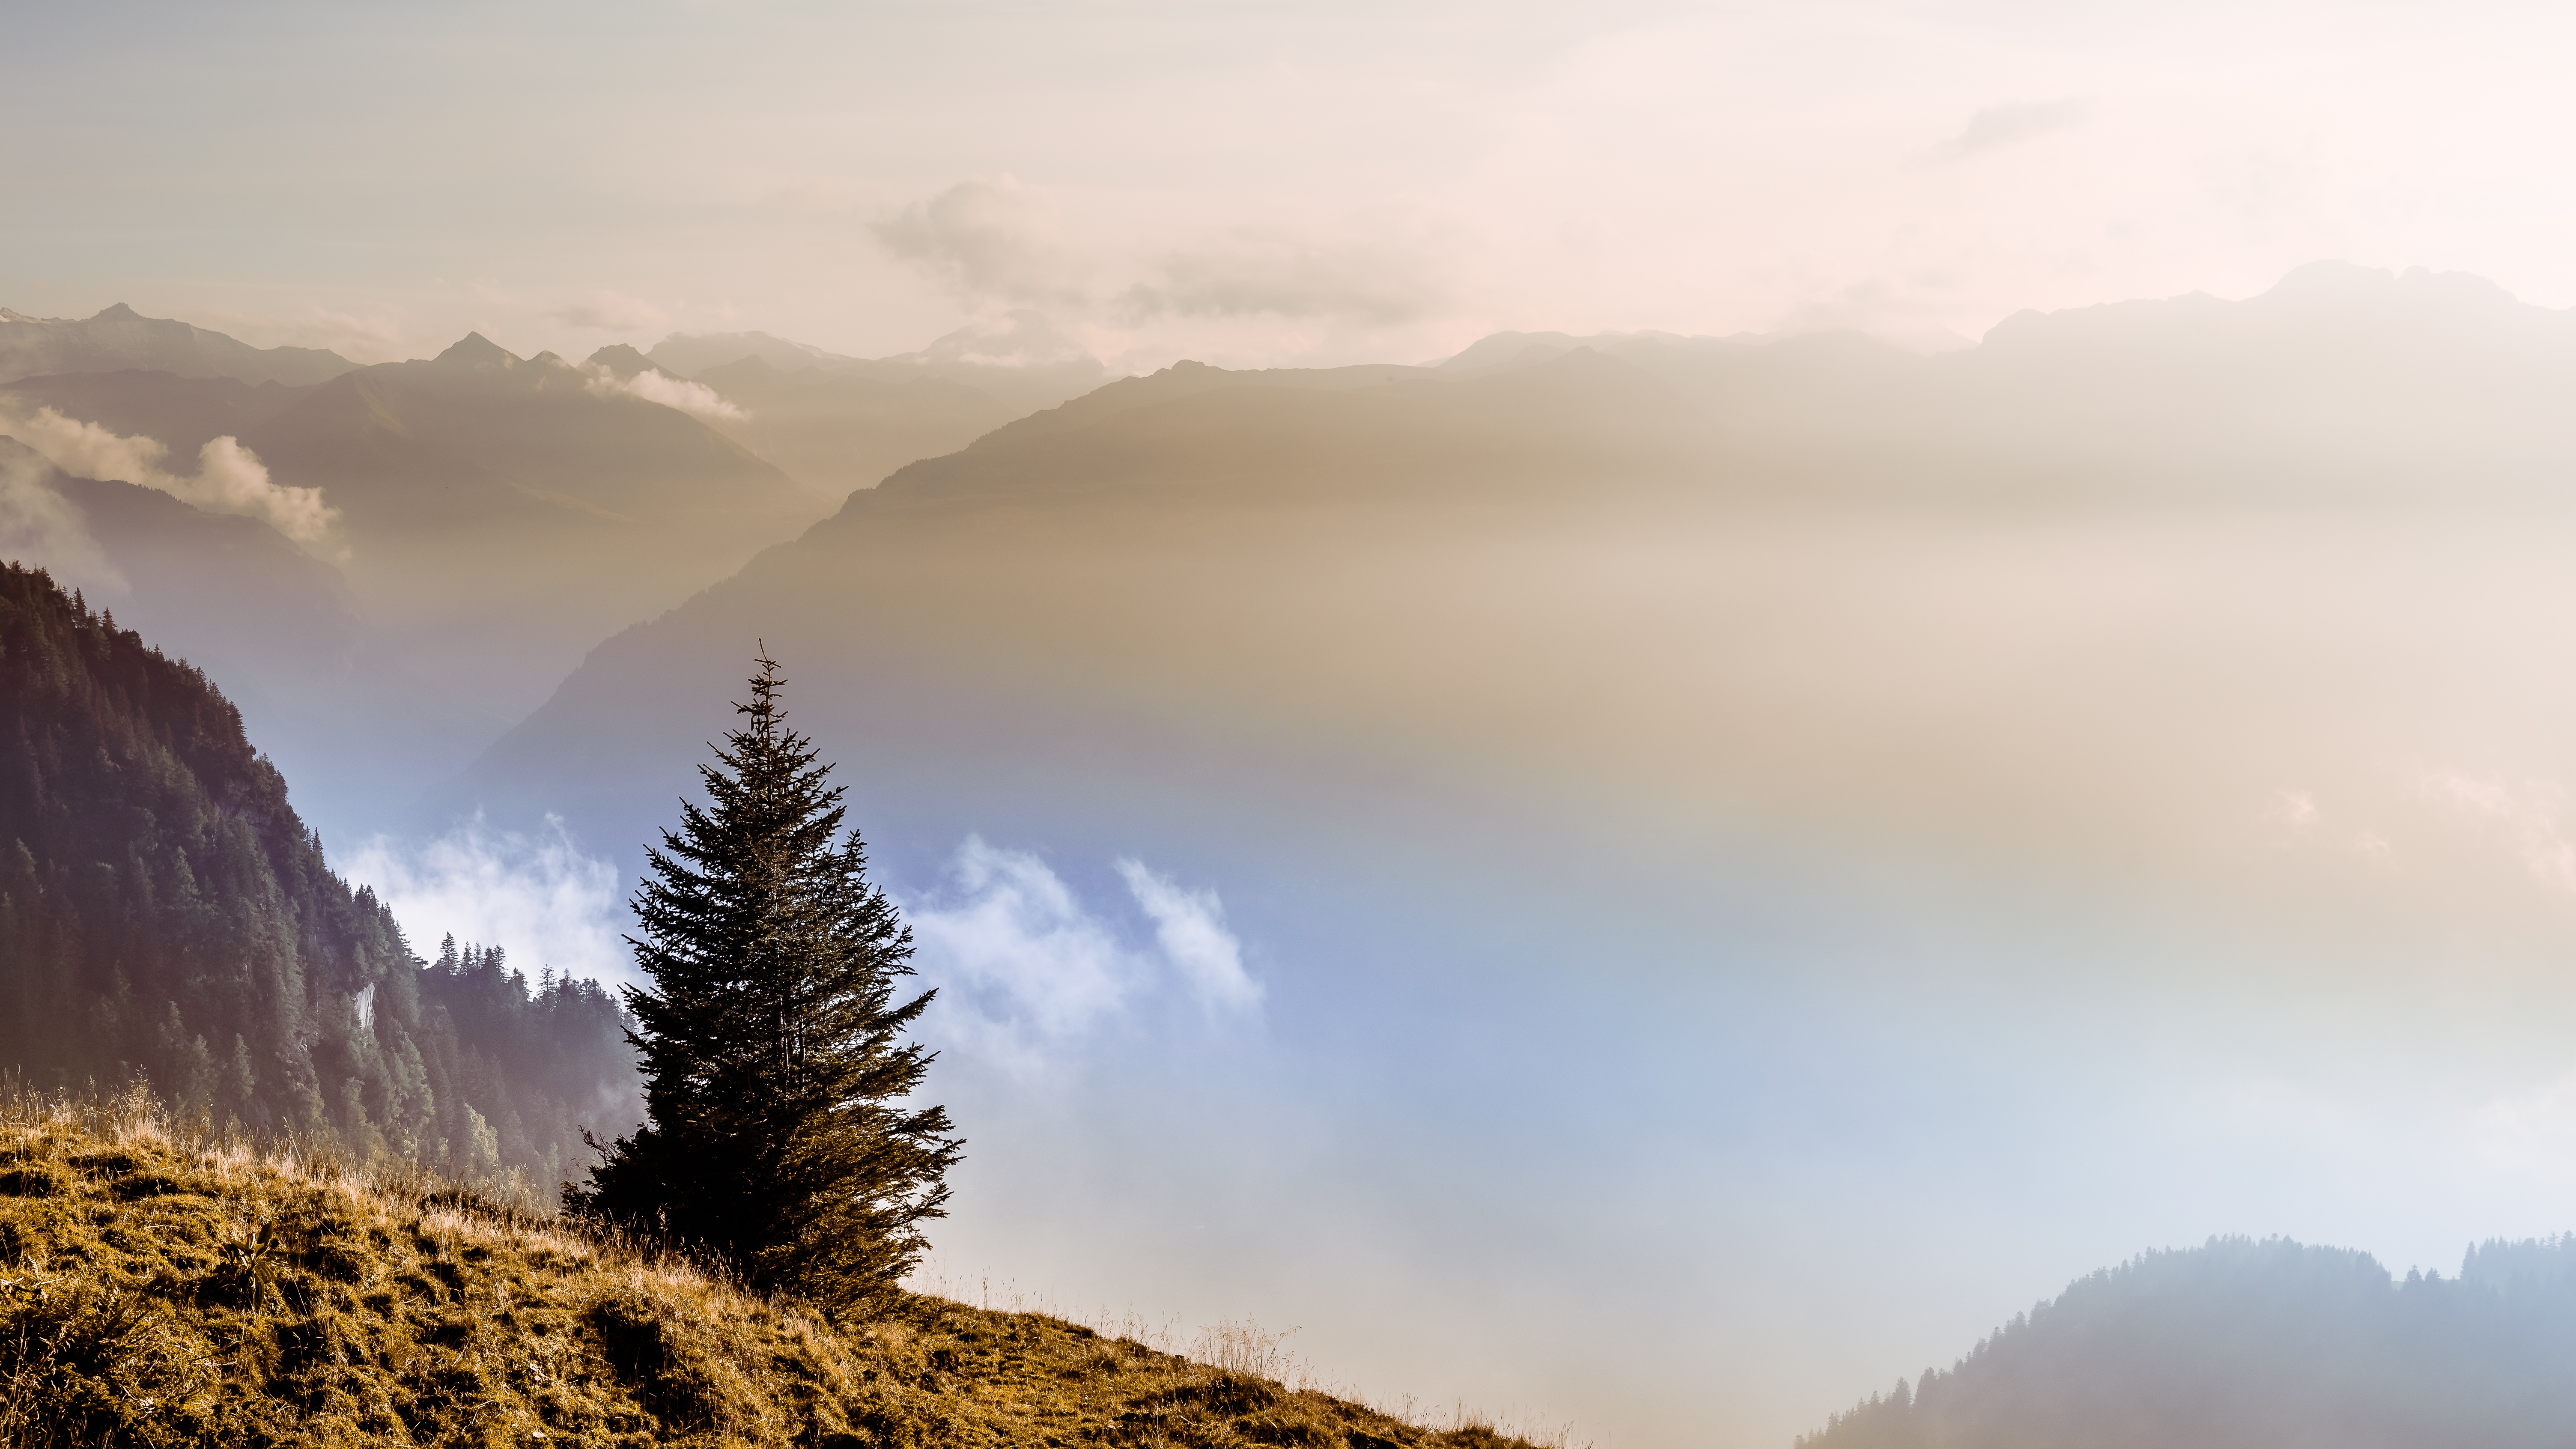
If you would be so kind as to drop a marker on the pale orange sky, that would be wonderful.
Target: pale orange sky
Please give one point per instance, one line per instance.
(1251, 184)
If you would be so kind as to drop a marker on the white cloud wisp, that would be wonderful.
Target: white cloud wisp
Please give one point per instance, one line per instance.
(41, 528)
(229, 477)
(1191, 927)
(1027, 970)
(694, 398)
(538, 896)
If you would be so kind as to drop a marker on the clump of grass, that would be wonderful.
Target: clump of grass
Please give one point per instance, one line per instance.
(162, 1285)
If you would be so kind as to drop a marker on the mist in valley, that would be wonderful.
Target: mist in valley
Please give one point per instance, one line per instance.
(1651, 878)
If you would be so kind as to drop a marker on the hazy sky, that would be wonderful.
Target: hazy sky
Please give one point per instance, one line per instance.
(1251, 183)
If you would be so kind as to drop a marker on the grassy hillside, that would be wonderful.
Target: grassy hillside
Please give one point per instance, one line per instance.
(163, 1287)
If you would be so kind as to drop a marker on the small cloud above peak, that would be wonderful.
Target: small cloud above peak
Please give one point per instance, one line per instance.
(1999, 126)
(611, 312)
(994, 238)
(1267, 272)
(1022, 338)
(689, 353)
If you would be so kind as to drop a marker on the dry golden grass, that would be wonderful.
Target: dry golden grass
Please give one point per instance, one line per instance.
(166, 1287)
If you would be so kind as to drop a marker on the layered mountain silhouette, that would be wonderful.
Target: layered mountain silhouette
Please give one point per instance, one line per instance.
(2261, 1345)
(502, 515)
(1023, 365)
(120, 338)
(1708, 578)
(1032, 593)
(496, 516)
(182, 412)
(228, 592)
(686, 354)
(477, 429)
(832, 429)
(2339, 384)
(839, 431)
(1380, 430)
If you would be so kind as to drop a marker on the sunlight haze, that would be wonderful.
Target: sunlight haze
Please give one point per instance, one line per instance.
(1256, 185)
(1641, 712)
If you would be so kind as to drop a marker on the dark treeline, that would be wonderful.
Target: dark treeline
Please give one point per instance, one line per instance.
(2261, 1345)
(163, 912)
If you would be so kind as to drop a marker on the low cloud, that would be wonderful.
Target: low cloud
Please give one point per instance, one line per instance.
(1026, 969)
(611, 312)
(2533, 1133)
(2527, 813)
(40, 528)
(538, 896)
(2293, 819)
(1191, 927)
(997, 242)
(694, 398)
(995, 239)
(1022, 337)
(2000, 126)
(1022, 961)
(1270, 273)
(229, 477)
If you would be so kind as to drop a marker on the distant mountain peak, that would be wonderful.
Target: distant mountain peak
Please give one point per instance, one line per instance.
(120, 339)
(686, 354)
(476, 350)
(2348, 282)
(624, 361)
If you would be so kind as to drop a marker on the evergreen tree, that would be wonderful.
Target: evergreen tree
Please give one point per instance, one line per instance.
(775, 1074)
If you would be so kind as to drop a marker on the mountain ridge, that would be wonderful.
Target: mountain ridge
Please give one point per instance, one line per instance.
(2270, 1344)
(118, 337)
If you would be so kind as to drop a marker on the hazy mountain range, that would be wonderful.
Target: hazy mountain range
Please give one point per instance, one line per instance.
(120, 338)
(1603, 699)
(489, 517)
(1070, 562)
(1023, 364)
(1610, 690)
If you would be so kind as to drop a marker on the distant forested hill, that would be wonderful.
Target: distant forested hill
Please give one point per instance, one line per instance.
(163, 911)
(2261, 1345)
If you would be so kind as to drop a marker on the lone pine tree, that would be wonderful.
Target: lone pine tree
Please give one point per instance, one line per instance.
(774, 1071)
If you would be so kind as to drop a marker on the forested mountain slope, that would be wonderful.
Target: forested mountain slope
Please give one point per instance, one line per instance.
(164, 912)
(2261, 1345)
